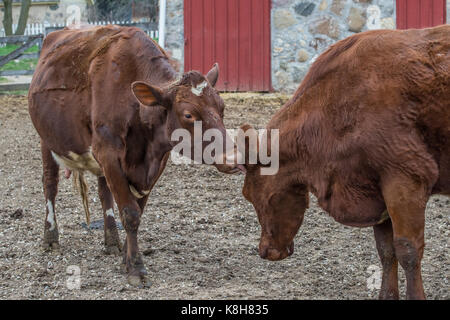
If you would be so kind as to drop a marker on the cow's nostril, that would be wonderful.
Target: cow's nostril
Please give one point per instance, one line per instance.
(263, 253)
(290, 248)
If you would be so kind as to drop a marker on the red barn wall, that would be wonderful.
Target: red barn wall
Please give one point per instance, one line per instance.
(420, 13)
(234, 33)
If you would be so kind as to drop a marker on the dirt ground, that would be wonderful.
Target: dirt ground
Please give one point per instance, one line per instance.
(198, 234)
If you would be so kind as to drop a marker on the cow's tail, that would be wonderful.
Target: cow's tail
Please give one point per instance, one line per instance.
(80, 184)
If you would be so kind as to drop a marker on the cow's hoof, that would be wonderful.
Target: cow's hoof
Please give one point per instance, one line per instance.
(134, 280)
(123, 268)
(139, 270)
(112, 250)
(389, 295)
(50, 246)
(51, 239)
(138, 281)
(137, 275)
(146, 282)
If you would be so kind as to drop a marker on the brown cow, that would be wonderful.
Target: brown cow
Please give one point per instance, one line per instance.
(82, 105)
(368, 130)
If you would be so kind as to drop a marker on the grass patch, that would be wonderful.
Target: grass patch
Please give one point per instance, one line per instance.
(3, 80)
(23, 64)
(11, 47)
(19, 64)
(14, 93)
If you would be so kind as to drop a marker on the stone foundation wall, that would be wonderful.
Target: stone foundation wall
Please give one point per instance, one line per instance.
(175, 32)
(448, 11)
(303, 29)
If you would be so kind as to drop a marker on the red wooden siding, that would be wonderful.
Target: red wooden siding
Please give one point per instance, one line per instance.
(420, 13)
(234, 33)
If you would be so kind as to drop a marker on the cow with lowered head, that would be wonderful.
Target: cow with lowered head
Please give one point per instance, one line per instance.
(368, 133)
(106, 100)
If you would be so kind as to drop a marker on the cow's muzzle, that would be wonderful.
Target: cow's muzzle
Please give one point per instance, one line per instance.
(230, 168)
(273, 254)
(230, 164)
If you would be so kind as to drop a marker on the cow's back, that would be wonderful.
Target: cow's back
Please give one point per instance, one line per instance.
(66, 56)
(373, 104)
(79, 69)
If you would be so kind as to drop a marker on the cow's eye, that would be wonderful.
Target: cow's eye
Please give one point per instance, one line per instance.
(188, 116)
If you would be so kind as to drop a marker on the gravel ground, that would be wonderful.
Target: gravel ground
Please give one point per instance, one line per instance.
(198, 234)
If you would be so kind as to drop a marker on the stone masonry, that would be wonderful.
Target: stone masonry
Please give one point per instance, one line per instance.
(174, 43)
(303, 29)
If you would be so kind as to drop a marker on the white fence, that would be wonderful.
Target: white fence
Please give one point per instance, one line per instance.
(31, 29)
(40, 28)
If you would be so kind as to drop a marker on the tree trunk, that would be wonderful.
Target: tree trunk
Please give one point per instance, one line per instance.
(24, 9)
(7, 17)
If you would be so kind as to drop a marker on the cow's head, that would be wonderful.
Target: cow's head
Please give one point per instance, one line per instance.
(190, 101)
(280, 201)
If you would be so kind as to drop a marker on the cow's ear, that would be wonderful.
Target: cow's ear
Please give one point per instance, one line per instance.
(248, 145)
(213, 75)
(147, 94)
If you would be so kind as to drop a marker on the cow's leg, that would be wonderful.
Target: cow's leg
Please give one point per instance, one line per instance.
(50, 180)
(130, 214)
(133, 261)
(141, 202)
(406, 201)
(385, 245)
(112, 240)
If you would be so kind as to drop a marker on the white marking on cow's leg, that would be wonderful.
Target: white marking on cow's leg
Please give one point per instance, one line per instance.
(51, 215)
(110, 213)
(198, 90)
(137, 194)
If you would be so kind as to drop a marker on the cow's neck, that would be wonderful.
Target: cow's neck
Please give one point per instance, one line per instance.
(300, 149)
(149, 143)
(308, 149)
(149, 159)
(159, 146)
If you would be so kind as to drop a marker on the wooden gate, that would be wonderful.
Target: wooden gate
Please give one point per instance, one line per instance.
(420, 13)
(234, 33)
(23, 43)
